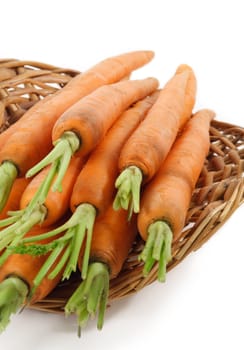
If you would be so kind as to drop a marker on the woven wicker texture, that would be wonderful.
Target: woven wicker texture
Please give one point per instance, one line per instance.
(218, 193)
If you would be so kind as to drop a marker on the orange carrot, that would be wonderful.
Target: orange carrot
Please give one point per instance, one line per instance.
(112, 240)
(6, 134)
(80, 129)
(149, 145)
(166, 198)
(39, 205)
(17, 277)
(95, 183)
(32, 140)
(13, 202)
(94, 187)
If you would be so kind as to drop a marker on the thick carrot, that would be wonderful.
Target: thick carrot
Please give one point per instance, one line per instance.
(94, 188)
(84, 124)
(166, 198)
(32, 141)
(13, 202)
(39, 205)
(149, 145)
(17, 277)
(6, 134)
(112, 240)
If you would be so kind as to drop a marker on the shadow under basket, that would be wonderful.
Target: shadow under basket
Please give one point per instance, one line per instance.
(218, 193)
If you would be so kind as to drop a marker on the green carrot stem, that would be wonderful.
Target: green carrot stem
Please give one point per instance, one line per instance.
(10, 220)
(90, 298)
(157, 248)
(128, 184)
(46, 267)
(8, 173)
(60, 264)
(42, 192)
(13, 242)
(23, 220)
(21, 226)
(63, 149)
(13, 292)
(75, 247)
(78, 228)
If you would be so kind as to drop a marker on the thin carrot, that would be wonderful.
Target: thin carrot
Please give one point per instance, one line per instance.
(17, 277)
(94, 188)
(112, 240)
(32, 140)
(166, 198)
(149, 145)
(39, 205)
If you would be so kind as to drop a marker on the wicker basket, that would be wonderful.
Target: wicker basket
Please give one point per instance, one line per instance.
(218, 193)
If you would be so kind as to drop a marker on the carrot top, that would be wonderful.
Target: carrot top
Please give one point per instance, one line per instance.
(13, 292)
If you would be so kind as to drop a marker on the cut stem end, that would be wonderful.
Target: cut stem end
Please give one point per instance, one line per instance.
(90, 298)
(157, 248)
(128, 185)
(13, 292)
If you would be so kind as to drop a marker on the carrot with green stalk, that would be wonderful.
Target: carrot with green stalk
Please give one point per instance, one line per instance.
(112, 240)
(17, 277)
(32, 140)
(94, 188)
(38, 205)
(149, 145)
(166, 199)
(85, 124)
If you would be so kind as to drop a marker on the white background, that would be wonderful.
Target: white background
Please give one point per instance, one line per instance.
(201, 305)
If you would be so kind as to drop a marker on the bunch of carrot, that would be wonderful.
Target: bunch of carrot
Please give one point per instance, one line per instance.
(87, 169)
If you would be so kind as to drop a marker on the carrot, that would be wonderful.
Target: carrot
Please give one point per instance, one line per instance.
(149, 145)
(39, 205)
(112, 240)
(166, 198)
(84, 124)
(94, 187)
(17, 277)
(32, 140)
(13, 202)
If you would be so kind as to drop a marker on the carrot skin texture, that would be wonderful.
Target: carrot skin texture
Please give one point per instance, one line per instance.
(33, 139)
(152, 140)
(91, 117)
(95, 183)
(13, 202)
(112, 240)
(167, 197)
(56, 203)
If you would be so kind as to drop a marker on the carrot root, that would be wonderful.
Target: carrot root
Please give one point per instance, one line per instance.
(8, 173)
(91, 296)
(157, 248)
(128, 184)
(61, 154)
(13, 292)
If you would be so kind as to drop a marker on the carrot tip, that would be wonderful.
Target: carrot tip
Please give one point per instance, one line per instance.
(13, 292)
